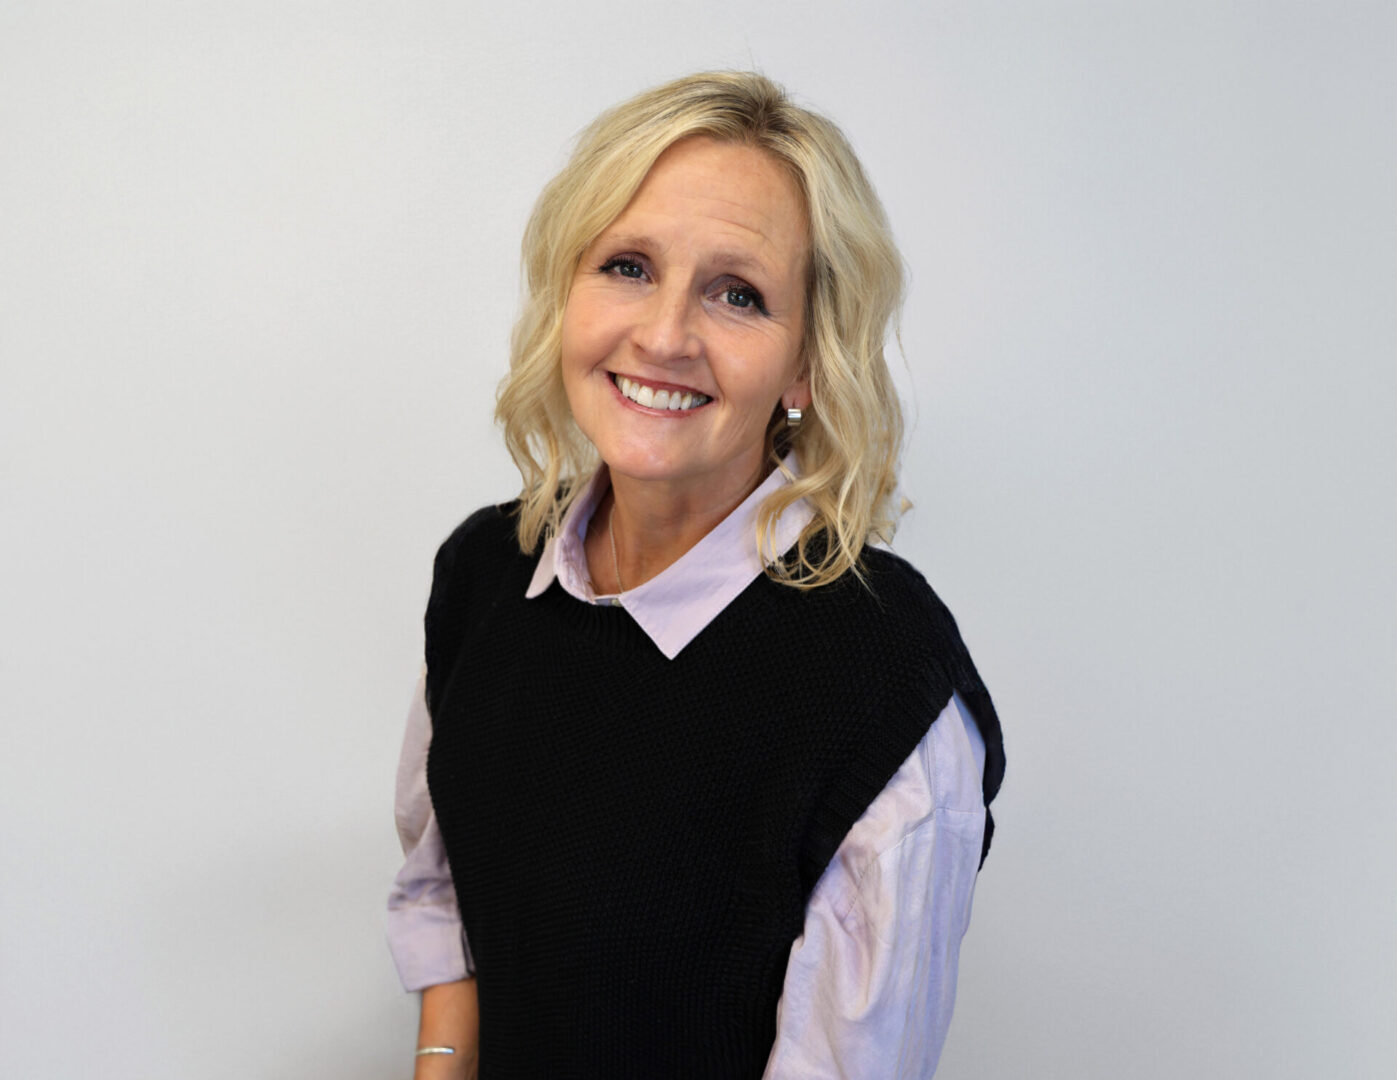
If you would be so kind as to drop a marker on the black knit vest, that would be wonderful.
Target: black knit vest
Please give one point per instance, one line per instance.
(634, 839)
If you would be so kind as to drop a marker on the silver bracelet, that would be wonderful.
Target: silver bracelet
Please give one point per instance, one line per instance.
(435, 1050)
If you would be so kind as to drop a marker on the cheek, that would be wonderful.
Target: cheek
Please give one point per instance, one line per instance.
(764, 383)
(588, 335)
(570, 343)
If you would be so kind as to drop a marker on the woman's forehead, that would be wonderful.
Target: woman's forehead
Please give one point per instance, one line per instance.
(736, 199)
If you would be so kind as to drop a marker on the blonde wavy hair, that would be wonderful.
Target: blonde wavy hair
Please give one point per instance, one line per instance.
(850, 439)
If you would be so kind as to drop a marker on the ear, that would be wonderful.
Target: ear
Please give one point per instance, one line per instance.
(797, 395)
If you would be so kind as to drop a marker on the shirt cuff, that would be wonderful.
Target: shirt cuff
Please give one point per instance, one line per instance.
(428, 945)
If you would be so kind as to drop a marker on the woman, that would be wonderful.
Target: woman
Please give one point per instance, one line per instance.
(707, 773)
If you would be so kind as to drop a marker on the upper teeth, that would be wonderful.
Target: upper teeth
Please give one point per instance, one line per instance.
(673, 400)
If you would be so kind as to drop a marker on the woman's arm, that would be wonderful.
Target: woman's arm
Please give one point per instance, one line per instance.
(871, 982)
(425, 934)
(450, 1017)
(424, 924)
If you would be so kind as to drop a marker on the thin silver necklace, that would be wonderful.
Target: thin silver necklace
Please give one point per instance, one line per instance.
(611, 535)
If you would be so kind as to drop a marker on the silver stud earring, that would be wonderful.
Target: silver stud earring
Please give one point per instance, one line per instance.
(793, 417)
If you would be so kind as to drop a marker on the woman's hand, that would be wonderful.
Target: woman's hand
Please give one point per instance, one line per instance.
(450, 1017)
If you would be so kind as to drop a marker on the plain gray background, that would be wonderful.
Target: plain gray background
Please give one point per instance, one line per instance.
(258, 265)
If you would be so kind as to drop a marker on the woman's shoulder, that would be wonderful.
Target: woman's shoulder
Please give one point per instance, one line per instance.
(486, 528)
(482, 544)
(886, 572)
(885, 608)
(478, 550)
(883, 580)
(894, 584)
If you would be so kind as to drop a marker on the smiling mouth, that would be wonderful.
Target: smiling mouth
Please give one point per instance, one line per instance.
(653, 398)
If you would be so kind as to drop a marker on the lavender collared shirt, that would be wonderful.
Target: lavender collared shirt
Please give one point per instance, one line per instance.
(870, 984)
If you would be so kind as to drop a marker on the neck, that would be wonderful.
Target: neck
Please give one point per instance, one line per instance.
(653, 526)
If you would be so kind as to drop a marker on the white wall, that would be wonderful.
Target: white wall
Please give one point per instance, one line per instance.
(257, 271)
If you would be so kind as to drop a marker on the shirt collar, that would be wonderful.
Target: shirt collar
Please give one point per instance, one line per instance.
(674, 606)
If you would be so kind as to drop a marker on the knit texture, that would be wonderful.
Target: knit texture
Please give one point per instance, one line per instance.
(634, 839)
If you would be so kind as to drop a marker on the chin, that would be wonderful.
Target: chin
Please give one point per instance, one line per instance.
(647, 467)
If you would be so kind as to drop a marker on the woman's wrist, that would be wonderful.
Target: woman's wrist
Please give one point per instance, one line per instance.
(445, 1067)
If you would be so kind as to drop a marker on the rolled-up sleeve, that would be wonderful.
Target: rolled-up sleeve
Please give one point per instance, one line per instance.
(871, 982)
(425, 935)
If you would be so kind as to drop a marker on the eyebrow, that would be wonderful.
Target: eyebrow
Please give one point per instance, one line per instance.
(726, 257)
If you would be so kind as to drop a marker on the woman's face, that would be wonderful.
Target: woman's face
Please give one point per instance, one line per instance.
(684, 326)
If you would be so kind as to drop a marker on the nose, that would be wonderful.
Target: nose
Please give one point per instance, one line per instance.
(666, 328)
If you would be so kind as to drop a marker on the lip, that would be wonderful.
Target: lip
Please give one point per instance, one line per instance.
(672, 414)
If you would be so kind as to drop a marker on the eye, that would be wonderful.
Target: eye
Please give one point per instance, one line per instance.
(626, 266)
(740, 295)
